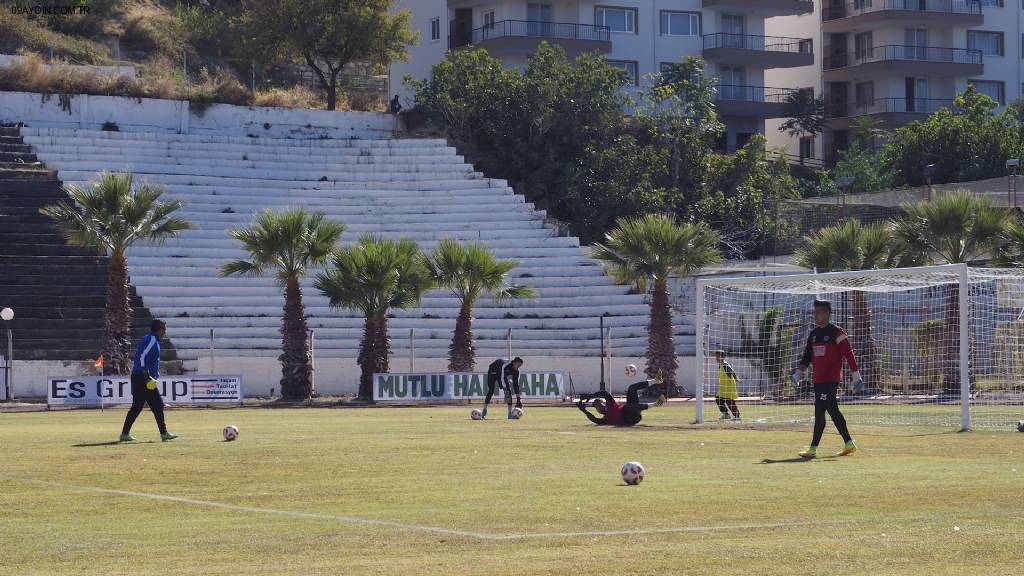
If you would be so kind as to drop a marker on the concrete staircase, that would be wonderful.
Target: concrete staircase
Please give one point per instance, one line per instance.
(57, 291)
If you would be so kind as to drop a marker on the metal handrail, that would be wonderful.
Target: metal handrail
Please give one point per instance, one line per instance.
(836, 10)
(888, 105)
(535, 28)
(736, 92)
(902, 52)
(760, 43)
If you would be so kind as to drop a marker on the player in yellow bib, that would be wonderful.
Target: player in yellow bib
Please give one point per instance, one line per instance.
(728, 388)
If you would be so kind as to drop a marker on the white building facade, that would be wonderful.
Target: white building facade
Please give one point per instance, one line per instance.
(900, 60)
(639, 35)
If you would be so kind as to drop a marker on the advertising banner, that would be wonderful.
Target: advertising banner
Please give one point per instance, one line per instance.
(96, 390)
(434, 386)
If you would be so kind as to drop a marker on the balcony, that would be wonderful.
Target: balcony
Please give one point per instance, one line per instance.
(890, 112)
(757, 101)
(760, 51)
(838, 15)
(903, 60)
(765, 7)
(523, 36)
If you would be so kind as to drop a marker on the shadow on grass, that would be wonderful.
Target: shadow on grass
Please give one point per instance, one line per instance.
(113, 443)
(795, 460)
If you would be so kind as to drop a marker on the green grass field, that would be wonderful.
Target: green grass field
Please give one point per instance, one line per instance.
(446, 495)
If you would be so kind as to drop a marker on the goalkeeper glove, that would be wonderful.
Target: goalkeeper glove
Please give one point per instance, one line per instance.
(797, 376)
(858, 385)
(151, 383)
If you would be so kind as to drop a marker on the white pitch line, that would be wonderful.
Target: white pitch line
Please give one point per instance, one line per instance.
(416, 527)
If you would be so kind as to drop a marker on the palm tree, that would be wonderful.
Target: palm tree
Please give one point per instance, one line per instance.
(110, 217)
(374, 276)
(955, 228)
(286, 244)
(650, 249)
(804, 113)
(855, 246)
(468, 271)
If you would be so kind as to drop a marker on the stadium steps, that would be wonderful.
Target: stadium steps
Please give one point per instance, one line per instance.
(57, 291)
(421, 189)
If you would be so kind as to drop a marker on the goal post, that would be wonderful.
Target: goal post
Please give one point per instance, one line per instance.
(911, 330)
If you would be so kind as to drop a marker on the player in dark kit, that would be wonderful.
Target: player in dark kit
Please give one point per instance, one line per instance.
(615, 414)
(145, 371)
(827, 347)
(504, 373)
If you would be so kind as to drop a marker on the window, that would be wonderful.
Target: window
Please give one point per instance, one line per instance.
(664, 67)
(806, 147)
(616, 19)
(435, 28)
(488, 19)
(630, 67)
(993, 3)
(680, 23)
(990, 43)
(992, 89)
(865, 94)
(862, 44)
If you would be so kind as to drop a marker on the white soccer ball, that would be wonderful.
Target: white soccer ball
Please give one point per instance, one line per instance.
(230, 433)
(632, 473)
(476, 414)
(517, 413)
(631, 370)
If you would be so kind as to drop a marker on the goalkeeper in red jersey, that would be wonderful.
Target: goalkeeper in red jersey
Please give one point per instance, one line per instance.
(827, 347)
(615, 414)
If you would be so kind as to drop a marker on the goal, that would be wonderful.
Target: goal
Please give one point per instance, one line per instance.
(937, 345)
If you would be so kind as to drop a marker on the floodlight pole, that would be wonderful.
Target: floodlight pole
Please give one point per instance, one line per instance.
(929, 171)
(1011, 182)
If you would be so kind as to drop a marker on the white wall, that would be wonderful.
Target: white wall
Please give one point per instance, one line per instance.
(151, 115)
(803, 26)
(426, 53)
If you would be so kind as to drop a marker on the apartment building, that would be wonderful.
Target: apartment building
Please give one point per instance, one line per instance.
(900, 60)
(638, 35)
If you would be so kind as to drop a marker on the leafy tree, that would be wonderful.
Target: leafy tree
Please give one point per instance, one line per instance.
(329, 34)
(869, 174)
(865, 132)
(804, 113)
(374, 276)
(286, 244)
(952, 229)
(650, 249)
(966, 142)
(470, 270)
(111, 216)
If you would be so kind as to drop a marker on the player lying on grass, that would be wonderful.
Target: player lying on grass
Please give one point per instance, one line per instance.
(615, 414)
(827, 347)
(504, 373)
(145, 371)
(728, 388)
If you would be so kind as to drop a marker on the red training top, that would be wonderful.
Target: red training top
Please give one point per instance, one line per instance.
(613, 412)
(826, 348)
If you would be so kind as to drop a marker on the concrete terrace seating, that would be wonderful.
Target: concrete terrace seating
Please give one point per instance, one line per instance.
(416, 188)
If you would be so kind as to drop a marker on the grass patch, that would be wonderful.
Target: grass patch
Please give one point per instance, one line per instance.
(888, 510)
(18, 32)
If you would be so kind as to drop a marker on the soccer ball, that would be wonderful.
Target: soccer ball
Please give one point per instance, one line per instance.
(230, 433)
(632, 473)
(517, 413)
(631, 370)
(1020, 426)
(476, 414)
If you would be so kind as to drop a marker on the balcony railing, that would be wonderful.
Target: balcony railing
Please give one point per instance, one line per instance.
(835, 10)
(887, 106)
(897, 52)
(532, 28)
(752, 93)
(759, 43)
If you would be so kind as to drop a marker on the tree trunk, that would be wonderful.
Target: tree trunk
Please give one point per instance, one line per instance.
(661, 345)
(374, 351)
(118, 318)
(296, 364)
(462, 354)
(863, 341)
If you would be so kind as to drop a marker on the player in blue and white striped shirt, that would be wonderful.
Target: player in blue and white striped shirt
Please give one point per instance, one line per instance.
(145, 371)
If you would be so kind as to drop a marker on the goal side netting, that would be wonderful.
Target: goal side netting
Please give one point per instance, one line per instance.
(937, 345)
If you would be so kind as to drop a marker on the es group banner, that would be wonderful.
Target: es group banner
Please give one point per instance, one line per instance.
(96, 390)
(433, 386)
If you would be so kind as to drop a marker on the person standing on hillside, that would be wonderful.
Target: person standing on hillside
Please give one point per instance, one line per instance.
(145, 371)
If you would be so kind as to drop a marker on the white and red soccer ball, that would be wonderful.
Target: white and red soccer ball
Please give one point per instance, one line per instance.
(476, 414)
(630, 370)
(517, 413)
(230, 433)
(632, 473)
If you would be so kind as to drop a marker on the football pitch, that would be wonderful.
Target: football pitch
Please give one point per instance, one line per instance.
(428, 491)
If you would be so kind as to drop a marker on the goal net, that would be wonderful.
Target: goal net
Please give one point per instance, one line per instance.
(937, 345)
